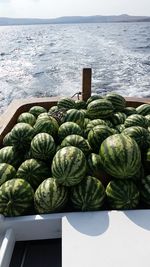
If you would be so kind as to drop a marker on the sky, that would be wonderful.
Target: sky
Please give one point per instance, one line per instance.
(58, 8)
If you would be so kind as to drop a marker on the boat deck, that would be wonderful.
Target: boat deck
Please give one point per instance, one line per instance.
(37, 253)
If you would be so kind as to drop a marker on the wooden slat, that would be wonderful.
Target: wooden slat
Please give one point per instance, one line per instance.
(86, 83)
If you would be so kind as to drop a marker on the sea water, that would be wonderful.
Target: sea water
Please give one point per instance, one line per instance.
(47, 60)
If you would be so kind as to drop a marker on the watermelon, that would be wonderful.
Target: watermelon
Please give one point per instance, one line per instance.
(95, 168)
(97, 135)
(77, 141)
(118, 118)
(21, 136)
(146, 160)
(139, 134)
(122, 194)
(138, 176)
(44, 115)
(76, 116)
(120, 156)
(37, 110)
(80, 104)
(16, 197)
(85, 123)
(53, 109)
(99, 109)
(46, 125)
(93, 123)
(33, 171)
(148, 120)
(10, 155)
(92, 98)
(84, 112)
(120, 128)
(68, 128)
(27, 117)
(7, 139)
(88, 195)
(143, 109)
(7, 172)
(130, 111)
(69, 166)
(118, 101)
(145, 189)
(50, 196)
(135, 120)
(43, 146)
(66, 102)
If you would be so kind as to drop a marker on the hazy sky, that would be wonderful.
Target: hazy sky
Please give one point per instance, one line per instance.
(57, 8)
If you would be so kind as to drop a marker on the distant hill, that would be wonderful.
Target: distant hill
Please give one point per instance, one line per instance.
(74, 19)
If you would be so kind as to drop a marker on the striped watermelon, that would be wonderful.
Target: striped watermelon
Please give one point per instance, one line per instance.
(69, 166)
(88, 195)
(95, 168)
(120, 128)
(130, 111)
(118, 118)
(80, 104)
(99, 109)
(146, 160)
(145, 189)
(7, 139)
(37, 110)
(44, 115)
(138, 176)
(135, 120)
(7, 172)
(97, 135)
(85, 123)
(139, 134)
(109, 123)
(118, 101)
(43, 146)
(21, 135)
(84, 112)
(92, 98)
(33, 171)
(77, 141)
(68, 128)
(143, 109)
(122, 194)
(10, 155)
(53, 109)
(27, 117)
(16, 197)
(46, 125)
(66, 103)
(93, 123)
(50, 196)
(120, 156)
(148, 119)
(76, 116)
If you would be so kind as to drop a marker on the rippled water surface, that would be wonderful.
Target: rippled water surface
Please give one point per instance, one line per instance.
(46, 60)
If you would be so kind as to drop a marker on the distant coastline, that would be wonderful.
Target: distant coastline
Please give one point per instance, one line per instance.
(4, 21)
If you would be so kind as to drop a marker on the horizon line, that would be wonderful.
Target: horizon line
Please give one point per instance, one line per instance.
(63, 16)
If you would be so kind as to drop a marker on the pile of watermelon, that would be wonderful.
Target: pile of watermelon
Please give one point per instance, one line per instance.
(77, 156)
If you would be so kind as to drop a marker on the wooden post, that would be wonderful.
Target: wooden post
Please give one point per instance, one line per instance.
(86, 83)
